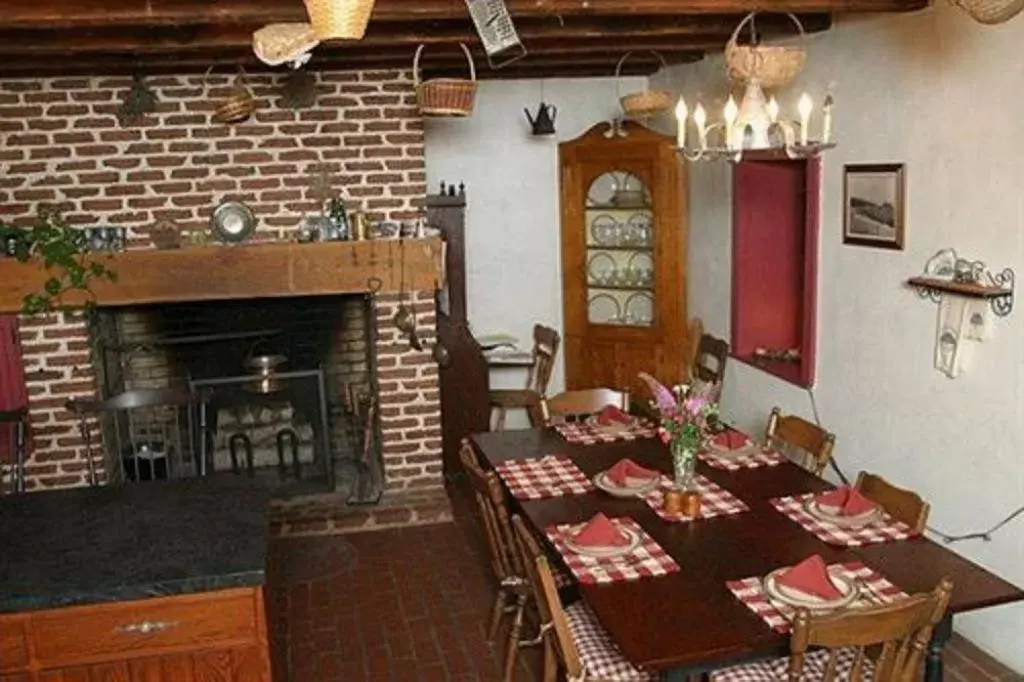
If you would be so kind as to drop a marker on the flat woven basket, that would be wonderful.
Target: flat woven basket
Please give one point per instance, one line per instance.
(277, 44)
(990, 12)
(643, 103)
(342, 19)
(773, 66)
(237, 106)
(445, 96)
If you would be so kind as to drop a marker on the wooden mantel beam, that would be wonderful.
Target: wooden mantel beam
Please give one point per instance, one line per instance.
(83, 13)
(236, 272)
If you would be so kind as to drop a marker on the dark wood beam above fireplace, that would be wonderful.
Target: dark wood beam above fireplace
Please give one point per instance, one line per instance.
(242, 272)
(107, 36)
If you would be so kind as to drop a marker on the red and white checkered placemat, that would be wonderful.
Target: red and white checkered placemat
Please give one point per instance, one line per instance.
(886, 529)
(549, 476)
(714, 500)
(753, 458)
(874, 590)
(590, 433)
(649, 559)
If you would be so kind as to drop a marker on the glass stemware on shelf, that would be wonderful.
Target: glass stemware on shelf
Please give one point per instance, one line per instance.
(620, 251)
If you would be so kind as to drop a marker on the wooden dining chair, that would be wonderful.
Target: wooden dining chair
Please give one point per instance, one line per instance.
(813, 442)
(575, 404)
(901, 504)
(545, 350)
(709, 362)
(571, 634)
(514, 592)
(899, 632)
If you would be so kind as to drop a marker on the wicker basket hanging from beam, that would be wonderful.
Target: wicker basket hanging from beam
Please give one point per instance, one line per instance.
(990, 12)
(773, 66)
(277, 44)
(339, 19)
(643, 103)
(445, 96)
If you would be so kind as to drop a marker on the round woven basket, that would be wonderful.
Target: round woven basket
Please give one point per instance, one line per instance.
(276, 44)
(773, 66)
(990, 12)
(643, 103)
(237, 106)
(445, 96)
(339, 19)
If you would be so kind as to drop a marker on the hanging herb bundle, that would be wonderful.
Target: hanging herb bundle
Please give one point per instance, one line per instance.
(138, 101)
(61, 249)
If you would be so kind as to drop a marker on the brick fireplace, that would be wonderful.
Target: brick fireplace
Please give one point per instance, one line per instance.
(64, 146)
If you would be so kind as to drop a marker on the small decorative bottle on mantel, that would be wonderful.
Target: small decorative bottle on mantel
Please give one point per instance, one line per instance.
(338, 215)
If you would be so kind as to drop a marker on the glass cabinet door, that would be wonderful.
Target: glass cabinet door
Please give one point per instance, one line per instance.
(620, 251)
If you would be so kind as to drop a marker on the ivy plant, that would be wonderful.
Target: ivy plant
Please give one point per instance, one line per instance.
(62, 251)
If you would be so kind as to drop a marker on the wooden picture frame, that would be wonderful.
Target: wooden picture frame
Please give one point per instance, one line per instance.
(874, 205)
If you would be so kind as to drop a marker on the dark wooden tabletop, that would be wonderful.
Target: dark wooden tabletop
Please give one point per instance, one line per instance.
(689, 618)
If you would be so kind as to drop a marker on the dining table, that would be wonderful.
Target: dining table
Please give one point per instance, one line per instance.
(688, 622)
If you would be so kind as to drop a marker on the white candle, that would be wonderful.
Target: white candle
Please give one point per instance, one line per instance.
(804, 107)
(730, 114)
(681, 114)
(826, 125)
(700, 118)
(773, 110)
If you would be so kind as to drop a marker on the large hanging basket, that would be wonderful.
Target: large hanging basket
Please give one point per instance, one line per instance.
(643, 103)
(339, 19)
(445, 96)
(773, 66)
(990, 12)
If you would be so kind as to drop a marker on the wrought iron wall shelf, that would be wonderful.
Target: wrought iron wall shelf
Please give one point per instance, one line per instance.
(946, 274)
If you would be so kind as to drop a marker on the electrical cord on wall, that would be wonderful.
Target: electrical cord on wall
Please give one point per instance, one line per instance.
(945, 537)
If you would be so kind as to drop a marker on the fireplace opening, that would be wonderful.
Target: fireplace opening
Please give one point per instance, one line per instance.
(281, 389)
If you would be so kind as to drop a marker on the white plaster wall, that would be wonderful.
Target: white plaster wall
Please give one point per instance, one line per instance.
(943, 95)
(513, 243)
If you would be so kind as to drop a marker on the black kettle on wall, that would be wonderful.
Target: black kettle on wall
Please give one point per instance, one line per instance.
(544, 122)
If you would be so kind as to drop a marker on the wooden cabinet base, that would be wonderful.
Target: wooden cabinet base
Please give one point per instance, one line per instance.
(208, 636)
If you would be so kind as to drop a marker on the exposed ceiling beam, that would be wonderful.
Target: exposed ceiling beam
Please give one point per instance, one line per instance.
(711, 31)
(84, 13)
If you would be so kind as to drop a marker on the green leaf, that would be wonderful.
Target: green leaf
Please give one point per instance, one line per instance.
(53, 286)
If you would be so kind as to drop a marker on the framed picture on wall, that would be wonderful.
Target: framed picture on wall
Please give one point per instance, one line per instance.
(873, 201)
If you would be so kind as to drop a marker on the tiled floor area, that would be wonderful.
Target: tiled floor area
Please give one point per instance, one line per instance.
(410, 604)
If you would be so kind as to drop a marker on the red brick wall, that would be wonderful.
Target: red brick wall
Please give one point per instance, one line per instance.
(63, 145)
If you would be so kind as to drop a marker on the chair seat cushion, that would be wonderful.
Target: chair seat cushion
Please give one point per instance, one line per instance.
(776, 669)
(600, 657)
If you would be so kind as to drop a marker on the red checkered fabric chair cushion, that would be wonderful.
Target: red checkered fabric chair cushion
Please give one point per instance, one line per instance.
(778, 668)
(601, 659)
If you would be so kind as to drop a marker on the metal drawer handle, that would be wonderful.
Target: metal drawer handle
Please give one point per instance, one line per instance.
(147, 626)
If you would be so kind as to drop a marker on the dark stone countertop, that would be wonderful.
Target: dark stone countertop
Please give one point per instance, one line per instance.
(91, 545)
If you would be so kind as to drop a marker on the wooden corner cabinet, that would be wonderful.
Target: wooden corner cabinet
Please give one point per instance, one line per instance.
(623, 258)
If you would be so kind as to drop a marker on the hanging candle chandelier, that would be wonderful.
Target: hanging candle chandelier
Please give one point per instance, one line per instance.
(757, 123)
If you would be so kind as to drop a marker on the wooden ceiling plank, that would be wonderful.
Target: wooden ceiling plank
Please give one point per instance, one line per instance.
(84, 13)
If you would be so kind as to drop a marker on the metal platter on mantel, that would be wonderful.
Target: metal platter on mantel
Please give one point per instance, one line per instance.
(233, 222)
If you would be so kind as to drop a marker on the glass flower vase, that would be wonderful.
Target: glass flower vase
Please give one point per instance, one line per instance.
(684, 464)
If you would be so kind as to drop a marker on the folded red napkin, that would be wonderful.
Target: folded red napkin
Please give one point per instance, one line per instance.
(612, 415)
(600, 532)
(810, 576)
(626, 469)
(848, 500)
(731, 440)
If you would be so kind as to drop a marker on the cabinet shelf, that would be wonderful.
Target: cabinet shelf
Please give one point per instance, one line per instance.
(616, 207)
(595, 247)
(621, 287)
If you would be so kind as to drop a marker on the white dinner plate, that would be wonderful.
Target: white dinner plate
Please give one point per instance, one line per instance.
(799, 599)
(635, 487)
(830, 514)
(606, 552)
